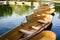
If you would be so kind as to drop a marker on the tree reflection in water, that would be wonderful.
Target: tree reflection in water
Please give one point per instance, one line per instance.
(57, 9)
(5, 10)
(21, 9)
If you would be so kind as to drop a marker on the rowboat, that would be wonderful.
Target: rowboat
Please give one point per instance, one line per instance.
(36, 23)
(43, 19)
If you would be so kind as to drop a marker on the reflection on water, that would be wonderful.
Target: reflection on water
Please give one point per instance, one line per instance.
(5, 10)
(58, 10)
(20, 9)
(56, 22)
(12, 16)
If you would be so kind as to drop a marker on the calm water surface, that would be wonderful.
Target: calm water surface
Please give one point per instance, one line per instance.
(56, 22)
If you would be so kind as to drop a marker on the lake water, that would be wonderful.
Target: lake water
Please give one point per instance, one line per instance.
(56, 22)
(11, 18)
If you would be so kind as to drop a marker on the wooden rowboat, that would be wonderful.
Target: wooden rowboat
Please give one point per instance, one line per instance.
(36, 22)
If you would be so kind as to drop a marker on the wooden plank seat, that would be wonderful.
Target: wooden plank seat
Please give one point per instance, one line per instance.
(42, 21)
(48, 18)
(36, 28)
(26, 31)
